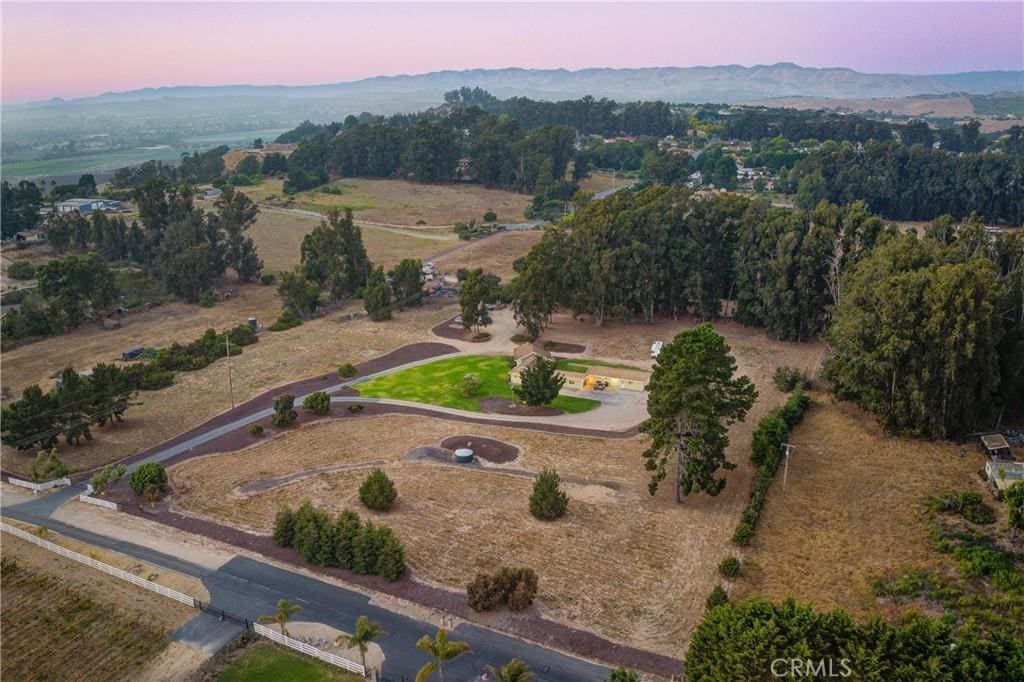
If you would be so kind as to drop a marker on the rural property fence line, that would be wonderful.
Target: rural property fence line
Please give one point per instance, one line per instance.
(309, 650)
(100, 566)
(87, 497)
(38, 487)
(259, 629)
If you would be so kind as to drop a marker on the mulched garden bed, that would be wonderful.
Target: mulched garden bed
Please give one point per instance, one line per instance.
(449, 330)
(489, 449)
(506, 406)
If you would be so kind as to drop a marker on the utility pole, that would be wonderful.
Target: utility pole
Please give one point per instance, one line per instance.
(785, 470)
(227, 353)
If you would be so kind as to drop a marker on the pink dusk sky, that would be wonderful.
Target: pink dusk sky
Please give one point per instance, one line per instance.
(80, 49)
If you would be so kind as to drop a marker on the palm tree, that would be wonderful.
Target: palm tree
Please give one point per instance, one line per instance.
(366, 631)
(513, 671)
(285, 610)
(441, 650)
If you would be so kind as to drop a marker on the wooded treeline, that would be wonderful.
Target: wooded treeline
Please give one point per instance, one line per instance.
(799, 274)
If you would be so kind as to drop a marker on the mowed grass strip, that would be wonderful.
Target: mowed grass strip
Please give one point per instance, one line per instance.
(269, 663)
(437, 383)
(584, 365)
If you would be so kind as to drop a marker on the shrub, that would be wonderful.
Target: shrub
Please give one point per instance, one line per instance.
(620, 674)
(378, 491)
(743, 534)
(365, 550)
(717, 597)
(346, 371)
(548, 501)
(108, 476)
(356, 408)
(469, 385)
(729, 567)
(153, 379)
(515, 587)
(313, 535)
(490, 216)
(769, 436)
(287, 319)
(21, 269)
(284, 410)
(255, 430)
(46, 466)
(284, 527)
(788, 379)
(969, 505)
(317, 402)
(346, 528)
(242, 335)
(150, 474)
(390, 555)
(268, 279)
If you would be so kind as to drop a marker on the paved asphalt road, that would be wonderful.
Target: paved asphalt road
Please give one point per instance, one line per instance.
(251, 588)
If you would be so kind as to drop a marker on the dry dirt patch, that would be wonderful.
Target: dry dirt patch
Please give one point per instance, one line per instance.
(494, 254)
(851, 510)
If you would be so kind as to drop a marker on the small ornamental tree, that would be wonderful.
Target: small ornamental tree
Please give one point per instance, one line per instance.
(390, 556)
(47, 466)
(150, 474)
(469, 385)
(284, 527)
(548, 501)
(365, 550)
(284, 410)
(346, 529)
(108, 476)
(346, 371)
(717, 597)
(540, 383)
(490, 216)
(378, 491)
(317, 402)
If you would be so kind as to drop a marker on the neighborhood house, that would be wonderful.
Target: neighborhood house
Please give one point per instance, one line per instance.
(579, 374)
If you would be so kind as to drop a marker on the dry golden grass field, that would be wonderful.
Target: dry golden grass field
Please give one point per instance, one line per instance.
(316, 347)
(494, 254)
(851, 510)
(399, 202)
(278, 235)
(615, 537)
(600, 181)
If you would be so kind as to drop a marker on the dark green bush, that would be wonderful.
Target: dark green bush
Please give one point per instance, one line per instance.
(970, 505)
(267, 279)
(317, 402)
(378, 491)
(284, 527)
(788, 379)
(548, 501)
(288, 319)
(149, 474)
(729, 567)
(21, 269)
(284, 410)
(255, 430)
(717, 597)
(346, 370)
(206, 300)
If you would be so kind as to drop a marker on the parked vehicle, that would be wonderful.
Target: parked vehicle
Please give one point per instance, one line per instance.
(656, 349)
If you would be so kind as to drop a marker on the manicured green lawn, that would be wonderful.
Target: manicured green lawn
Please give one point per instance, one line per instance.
(437, 383)
(267, 663)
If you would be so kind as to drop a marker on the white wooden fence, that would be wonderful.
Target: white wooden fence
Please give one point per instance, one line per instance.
(100, 566)
(308, 650)
(38, 487)
(87, 497)
(179, 596)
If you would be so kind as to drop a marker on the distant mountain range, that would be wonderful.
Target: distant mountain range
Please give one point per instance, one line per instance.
(726, 84)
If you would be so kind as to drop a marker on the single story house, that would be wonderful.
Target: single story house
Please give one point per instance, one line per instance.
(592, 377)
(1003, 474)
(86, 205)
(212, 193)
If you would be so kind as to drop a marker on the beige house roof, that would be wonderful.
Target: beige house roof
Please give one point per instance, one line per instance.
(994, 441)
(525, 349)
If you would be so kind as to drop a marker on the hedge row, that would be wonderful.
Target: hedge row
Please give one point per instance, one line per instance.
(159, 372)
(345, 542)
(766, 452)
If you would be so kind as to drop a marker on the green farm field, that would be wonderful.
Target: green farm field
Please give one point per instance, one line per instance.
(437, 383)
